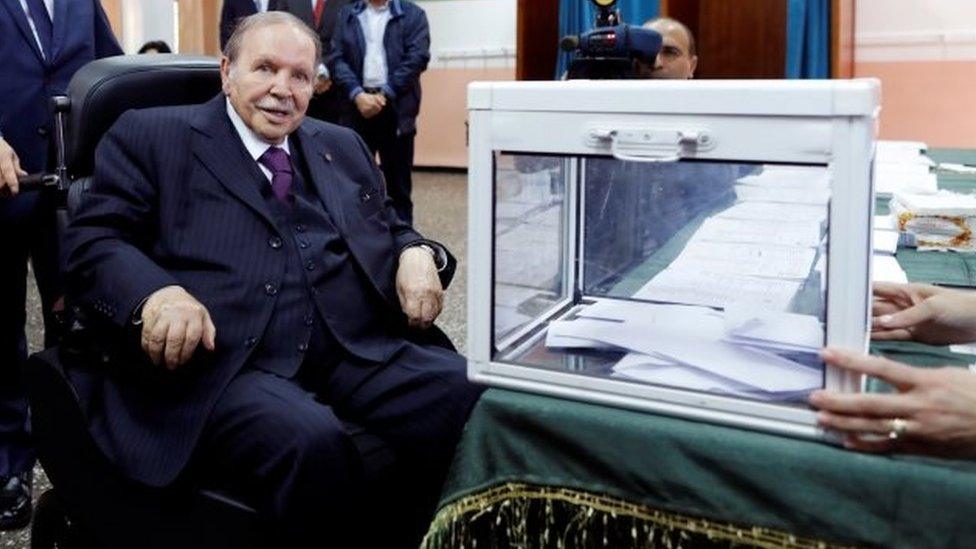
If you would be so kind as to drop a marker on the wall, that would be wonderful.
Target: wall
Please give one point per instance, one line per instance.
(924, 51)
(146, 20)
(470, 40)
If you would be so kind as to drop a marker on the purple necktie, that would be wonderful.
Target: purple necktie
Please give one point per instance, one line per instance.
(277, 162)
(42, 23)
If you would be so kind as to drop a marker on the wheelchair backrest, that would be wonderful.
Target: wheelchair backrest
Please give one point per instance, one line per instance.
(104, 89)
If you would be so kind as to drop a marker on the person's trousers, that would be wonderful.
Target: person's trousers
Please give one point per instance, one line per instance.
(381, 134)
(329, 106)
(29, 227)
(352, 455)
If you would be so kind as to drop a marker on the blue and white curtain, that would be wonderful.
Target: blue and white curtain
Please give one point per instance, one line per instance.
(808, 39)
(576, 16)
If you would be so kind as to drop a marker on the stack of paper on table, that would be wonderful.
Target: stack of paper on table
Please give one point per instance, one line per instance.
(699, 348)
(885, 242)
(785, 184)
(888, 182)
(788, 195)
(800, 213)
(901, 151)
(805, 177)
(719, 289)
(767, 261)
(942, 221)
(885, 268)
(802, 234)
(901, 166)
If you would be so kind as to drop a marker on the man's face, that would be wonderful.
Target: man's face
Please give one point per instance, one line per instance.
(270, 82)
(674, 61)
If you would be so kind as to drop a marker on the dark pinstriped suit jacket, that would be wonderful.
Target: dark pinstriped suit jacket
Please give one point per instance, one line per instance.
(175, 200)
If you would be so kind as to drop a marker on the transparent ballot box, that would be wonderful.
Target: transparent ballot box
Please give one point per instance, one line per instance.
(680, 247)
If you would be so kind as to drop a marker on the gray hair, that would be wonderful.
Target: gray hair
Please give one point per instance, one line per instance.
(268, 19)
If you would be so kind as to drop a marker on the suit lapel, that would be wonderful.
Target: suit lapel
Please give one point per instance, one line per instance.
(20, 18)
(327, 185)
(220, 149)
(61, 20)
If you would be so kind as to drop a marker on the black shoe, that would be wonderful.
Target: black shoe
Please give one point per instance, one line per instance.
(15, 501)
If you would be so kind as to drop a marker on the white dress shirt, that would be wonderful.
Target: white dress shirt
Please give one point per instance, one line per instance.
(49, 4)
(373, 21)
(255, 145)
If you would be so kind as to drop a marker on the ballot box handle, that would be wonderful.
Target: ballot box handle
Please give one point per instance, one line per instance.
(650, 144)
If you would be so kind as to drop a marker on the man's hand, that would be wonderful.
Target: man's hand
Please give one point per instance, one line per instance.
(370, 104)
(924, 313)
(418, 287)
(9, 170)
(936, 408)
(173, 324)
(322, 84)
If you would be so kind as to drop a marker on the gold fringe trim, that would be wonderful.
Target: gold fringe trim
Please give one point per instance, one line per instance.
(510, 501)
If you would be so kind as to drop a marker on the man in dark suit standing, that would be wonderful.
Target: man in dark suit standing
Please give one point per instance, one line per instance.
(284, 312)
(42, 44)
(327, 103)
(379, 49)
(233, 11)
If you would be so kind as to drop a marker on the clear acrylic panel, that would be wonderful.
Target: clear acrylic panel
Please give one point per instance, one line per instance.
(530, 240)
(705, 276)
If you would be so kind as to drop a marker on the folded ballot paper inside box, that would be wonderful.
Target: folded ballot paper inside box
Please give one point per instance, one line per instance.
(742, 351)
(941, 221)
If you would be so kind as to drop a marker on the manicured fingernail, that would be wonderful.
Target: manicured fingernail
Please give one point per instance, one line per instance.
(884, 320)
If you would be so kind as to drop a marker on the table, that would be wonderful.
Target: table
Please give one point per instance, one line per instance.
(535, 471)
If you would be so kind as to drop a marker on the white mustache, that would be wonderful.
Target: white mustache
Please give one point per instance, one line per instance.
(271, 103)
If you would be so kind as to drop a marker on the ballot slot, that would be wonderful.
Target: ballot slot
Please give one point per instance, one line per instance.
(702, 276)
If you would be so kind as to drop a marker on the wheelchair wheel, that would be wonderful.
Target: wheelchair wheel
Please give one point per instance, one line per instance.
(52, 529)
(49, 528)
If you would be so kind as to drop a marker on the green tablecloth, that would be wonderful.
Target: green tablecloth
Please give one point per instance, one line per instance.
(534, 471)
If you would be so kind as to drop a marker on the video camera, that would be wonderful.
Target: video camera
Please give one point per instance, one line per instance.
(609, 50)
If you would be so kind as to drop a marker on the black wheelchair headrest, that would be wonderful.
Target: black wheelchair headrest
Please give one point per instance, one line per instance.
(104, 89)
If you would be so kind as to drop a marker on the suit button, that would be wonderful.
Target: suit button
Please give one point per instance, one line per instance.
(274, 242)
(42, 131)
(302, 244)
(251, 341)
(309, 320)
(302, 347)
(270, 289)
(300, 228)
(310, 266)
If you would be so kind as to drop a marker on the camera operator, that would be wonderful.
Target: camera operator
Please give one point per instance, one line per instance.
(678, 57)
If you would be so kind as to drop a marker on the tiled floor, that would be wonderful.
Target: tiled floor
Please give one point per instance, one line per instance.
(441, 206)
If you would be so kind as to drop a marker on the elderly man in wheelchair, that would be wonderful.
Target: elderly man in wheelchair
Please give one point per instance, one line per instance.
(258, 324)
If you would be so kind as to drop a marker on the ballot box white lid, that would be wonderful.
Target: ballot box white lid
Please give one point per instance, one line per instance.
(857, 97)
(589, 198)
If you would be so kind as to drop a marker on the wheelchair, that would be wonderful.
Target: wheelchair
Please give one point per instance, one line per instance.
(91, 503)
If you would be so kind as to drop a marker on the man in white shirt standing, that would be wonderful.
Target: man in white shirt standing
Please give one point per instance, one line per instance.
(379, 50)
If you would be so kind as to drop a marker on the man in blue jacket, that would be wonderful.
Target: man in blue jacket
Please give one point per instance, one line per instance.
(379, 49)
(42, 44)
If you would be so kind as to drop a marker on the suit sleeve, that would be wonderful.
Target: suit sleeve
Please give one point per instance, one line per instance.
(342, 73)
(106, 44)
(416, 55)
(404, 235)
(107, 241)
